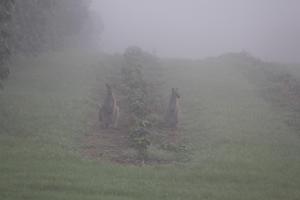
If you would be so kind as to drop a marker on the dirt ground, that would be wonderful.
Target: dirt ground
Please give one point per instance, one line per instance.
(113, 145)
(106, 144)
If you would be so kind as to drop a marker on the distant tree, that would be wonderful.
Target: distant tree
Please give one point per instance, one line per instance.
(41, 25)
(92, 30)
(5, 17)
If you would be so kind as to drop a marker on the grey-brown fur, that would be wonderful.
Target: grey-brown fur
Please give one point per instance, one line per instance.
(173, 109)
(109, 111)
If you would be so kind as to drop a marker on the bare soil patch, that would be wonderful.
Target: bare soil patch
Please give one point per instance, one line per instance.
(113, 145)
(106, 144)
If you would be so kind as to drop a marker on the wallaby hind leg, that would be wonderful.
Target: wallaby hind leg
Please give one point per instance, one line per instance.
(105, 124)
(116, 117)
(100, 114)
(105, 120)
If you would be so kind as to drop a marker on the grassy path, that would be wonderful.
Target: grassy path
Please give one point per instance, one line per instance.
(242, 149)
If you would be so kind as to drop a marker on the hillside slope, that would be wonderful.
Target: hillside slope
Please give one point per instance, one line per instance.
(242, 148)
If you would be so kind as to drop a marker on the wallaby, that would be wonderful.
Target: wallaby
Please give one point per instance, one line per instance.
(173, 109)
(109, 111)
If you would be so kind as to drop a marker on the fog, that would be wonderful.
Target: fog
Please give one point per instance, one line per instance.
(269, 29)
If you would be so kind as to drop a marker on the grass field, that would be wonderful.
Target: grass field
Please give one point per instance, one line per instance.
(241, 147)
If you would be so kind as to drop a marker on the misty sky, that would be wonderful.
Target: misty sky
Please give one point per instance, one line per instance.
(269, 29)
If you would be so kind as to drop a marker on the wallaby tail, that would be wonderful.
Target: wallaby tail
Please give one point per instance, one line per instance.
(116, 116)
(100, 113)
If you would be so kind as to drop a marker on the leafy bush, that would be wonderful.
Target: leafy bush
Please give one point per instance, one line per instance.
(136, 92)
(5, 18)
(139, 140)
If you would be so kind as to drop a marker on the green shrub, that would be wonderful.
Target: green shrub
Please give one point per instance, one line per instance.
(136, 92)
(139, 140)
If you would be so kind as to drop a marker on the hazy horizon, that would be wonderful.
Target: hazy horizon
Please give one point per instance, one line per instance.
(198, 29)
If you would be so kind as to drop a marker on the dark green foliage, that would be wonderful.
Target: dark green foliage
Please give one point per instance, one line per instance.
(138, 103)
(134, 86)
(5, 10)
(139, 140)
(5, 17)
(4, 72)
(40, 25)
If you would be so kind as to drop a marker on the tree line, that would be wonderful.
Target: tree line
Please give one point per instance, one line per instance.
(33, 26)
(6, 7)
